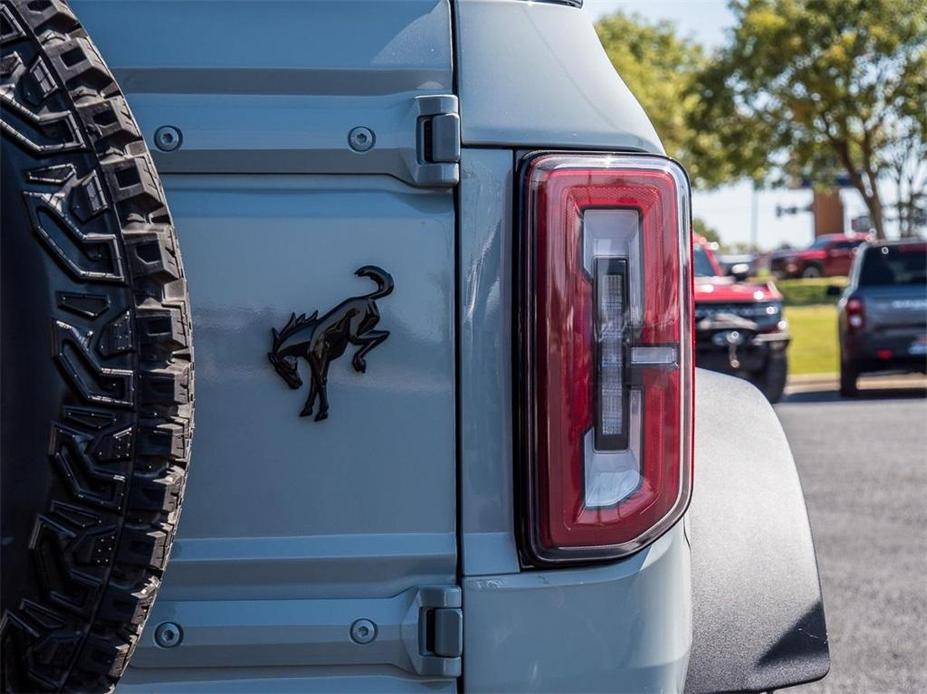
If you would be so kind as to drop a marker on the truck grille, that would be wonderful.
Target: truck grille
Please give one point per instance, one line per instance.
(764, 314)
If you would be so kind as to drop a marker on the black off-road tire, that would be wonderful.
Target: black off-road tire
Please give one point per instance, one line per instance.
(849, 377)
(771, 381)
(97, 376)
(811, 271)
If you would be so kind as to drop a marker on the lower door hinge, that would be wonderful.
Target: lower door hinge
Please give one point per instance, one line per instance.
(433, 631)
(420, 630)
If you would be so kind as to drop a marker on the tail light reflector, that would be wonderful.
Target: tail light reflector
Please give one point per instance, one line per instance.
(856, 314)
(605, 349)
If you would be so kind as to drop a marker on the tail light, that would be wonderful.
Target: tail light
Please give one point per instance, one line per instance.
(856, 314)
(604, 345)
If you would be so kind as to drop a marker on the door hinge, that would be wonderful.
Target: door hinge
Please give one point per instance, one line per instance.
(433, 631)
(437, 137)
(420, 630)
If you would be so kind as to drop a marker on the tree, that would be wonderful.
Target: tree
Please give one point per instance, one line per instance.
(907, 165)
(660, 68)
(809, 89)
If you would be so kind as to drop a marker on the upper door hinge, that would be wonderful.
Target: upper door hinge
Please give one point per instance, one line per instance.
(433, 631)
(437, 137)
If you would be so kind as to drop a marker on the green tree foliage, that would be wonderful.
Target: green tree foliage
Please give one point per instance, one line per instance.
(661, 68)
(808, 89)
(710, 234)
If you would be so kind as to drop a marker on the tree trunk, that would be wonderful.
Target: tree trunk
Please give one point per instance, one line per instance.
(873, 204)
(872, 198)
(870, 193)
(876, 212)
(900, 208)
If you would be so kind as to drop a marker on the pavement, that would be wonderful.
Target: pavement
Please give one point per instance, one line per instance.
(828, 383)
(863, 466)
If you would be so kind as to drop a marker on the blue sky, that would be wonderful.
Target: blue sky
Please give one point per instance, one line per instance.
(729, 209)
(705, 20)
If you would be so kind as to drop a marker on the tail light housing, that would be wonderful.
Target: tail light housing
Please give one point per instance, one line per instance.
(856, 314)
(604, 364)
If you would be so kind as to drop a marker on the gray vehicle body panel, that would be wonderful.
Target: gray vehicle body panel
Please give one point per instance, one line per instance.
(895, 308)
(620, 627)
(274, 86)
(896, 319)
(320, 523)
(536, 75)
(294, 529)
(485, 342)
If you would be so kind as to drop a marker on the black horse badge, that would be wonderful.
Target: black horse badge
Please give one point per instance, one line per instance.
(322, 340)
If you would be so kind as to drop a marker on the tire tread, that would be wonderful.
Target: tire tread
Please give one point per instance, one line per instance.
(101, 548)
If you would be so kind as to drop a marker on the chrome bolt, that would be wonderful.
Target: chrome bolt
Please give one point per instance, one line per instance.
(167, 138)
(168, 635)
(363, 631)
(361, 139)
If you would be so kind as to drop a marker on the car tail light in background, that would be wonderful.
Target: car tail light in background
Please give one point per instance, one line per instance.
(604, 352)
(856, 314)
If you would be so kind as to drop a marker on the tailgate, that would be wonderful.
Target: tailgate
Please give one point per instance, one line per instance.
(896, 307)
(301, 161)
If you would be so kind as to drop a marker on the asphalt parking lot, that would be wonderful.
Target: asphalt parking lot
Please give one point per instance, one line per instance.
(863, 466)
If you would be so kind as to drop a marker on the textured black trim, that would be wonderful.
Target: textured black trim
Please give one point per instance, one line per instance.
(108, 373)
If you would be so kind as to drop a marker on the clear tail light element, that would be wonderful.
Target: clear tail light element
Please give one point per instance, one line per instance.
(856, 314)
(604, 353)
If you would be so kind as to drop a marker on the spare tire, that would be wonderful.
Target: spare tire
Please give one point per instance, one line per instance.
(97, 377)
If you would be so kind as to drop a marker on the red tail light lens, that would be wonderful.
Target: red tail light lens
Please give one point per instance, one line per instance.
(856, 314)
(605, 347)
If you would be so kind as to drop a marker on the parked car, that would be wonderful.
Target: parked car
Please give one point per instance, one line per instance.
(883, 312)
(740, 328)
(830, 255)
(440, 311)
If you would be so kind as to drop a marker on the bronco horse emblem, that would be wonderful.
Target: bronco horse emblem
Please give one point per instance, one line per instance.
(321, 340)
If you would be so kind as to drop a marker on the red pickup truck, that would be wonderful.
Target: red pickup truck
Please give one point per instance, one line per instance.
(740, 329)
(830, 255)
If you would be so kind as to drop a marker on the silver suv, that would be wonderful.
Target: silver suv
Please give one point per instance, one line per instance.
(449, 436)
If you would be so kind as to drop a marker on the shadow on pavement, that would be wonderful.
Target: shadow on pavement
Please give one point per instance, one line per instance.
(831, 395)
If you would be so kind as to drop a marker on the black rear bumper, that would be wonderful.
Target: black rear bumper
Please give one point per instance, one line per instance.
(754, 357)
(875, 351)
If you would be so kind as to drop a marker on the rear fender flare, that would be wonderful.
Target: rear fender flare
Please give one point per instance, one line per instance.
(758, 616)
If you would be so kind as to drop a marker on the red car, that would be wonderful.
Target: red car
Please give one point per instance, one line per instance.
(739, 325)
(830, 255)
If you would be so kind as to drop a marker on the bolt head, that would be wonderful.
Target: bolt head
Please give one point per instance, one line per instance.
(168, 635)
(167, 138)
(363, 631)
(361, 139)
